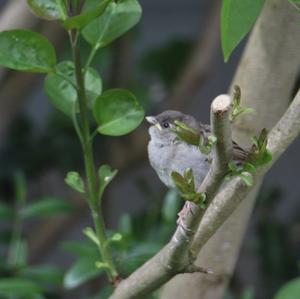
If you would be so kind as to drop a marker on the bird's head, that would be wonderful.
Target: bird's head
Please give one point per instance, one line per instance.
(163, 124)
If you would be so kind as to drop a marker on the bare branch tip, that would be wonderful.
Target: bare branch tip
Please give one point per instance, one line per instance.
(221, 104)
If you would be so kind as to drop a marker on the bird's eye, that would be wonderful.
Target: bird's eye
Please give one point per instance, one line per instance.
(166, 125)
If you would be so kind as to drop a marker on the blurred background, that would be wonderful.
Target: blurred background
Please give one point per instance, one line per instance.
(171, 59)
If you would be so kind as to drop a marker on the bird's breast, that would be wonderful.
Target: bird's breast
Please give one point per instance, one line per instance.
(178, 157)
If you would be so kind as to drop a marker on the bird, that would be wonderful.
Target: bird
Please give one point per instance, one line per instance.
(168, 153)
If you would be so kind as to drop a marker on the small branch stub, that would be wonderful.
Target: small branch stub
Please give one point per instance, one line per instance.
(221, 104)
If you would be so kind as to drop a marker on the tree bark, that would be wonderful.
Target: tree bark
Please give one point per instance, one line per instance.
(266, 74)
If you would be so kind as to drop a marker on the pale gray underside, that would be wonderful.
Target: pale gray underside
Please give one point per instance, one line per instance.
(177, 156)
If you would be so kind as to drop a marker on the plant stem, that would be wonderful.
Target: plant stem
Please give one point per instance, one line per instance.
(13, 252)
(91, 57)
(90, 166)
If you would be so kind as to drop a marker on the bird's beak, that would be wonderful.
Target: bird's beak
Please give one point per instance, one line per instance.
(152, 120)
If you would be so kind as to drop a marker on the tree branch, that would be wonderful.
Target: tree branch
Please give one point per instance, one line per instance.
(222, 152)
(281, 136)
(156, 271)
(174, 258)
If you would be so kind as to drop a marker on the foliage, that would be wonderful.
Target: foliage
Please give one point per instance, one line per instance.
(137, 239)
(290, 290)
(237, 110)
(76, 89)
(186, 185)
(118, 18)
(25, 50)
(194, 137)
(237, 18)
(48, 9)
(117, 112)
(18, 278)
(105, 175)
(258, 156)
(61, 87)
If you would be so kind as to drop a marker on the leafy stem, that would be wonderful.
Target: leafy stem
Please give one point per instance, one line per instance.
(63, 76)
(237, 109)
(14, 251)
(91, 57)
(86, 142)
(96, 46)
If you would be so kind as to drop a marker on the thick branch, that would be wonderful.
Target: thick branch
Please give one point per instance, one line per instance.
(286, 130)
(281, 136)
(174, 258)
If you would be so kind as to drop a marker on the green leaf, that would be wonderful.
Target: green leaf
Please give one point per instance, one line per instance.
(265, 158)
(43, 273)
(237, 110)
(48, 9)
(26, 50)
(259, 154)
(74, 180)
(247, 178)
(86, 16)
(81, 248)
(116, 237)
(249, 167)
(206, 144)
(6, 211)
(118, 18)
(201, 199)
(18, 253)
(237, 18)
(233, 167)
(106, 175)
(47, 206)
(189, 178)
(61, 87)
(185, 133)
(125, 225)
(89, 232)
(18, 287)
(82, 271)
(180, 182)
(290, 290)
(117, 112)
(263, 139)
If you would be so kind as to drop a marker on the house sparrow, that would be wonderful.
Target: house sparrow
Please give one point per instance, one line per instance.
(168, 153)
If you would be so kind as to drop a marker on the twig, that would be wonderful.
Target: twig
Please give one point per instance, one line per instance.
(222, 152)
